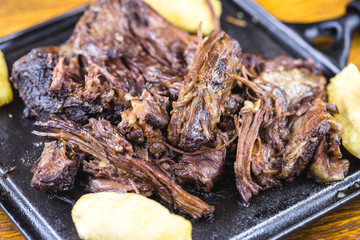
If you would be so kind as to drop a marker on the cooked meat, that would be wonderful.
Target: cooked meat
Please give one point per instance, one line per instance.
(144, 107)
(91, 73)
(32, 76)
(105, 185)
(44, 85)
(54, 171)
(257, 64)
(110, 28)
(206, 89)
(290, 87)
(99, 139)
(252, 115)
(148, 114)
(105, 176)
(328, 165)
(204, 169)
(304, 138)
(282, 123)
(234, 103)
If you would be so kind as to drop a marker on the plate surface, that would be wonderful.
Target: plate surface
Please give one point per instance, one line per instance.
(272, 214)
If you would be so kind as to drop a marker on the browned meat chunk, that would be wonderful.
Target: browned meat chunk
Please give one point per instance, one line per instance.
(328, 165)
(105, 185)
(132, 44)
(148, 114)
(206, 89)
(291, 87)
(54, 171)
(282, 127)
(305, 136)
(105, 176)
(204, 169)
(256, 64)
(97, 140)
(90, 74)
(196, 113)
(32, 76)
(46, 88)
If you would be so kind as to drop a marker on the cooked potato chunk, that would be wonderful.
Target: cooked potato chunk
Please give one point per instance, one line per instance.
(109, 215)
(187, 14)
(6, 94)
(344, 92)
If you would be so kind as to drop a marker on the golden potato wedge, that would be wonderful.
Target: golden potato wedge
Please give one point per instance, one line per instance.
(109, 215)
(187, 14)
(6, 95)
(344, 92)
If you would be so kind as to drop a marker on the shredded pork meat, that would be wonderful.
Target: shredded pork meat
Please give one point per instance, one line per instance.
(138, 105)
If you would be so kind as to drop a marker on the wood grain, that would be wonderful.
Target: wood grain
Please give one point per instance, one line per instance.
(20, 14)
(342, 224)
(7, 230)
(305, 11)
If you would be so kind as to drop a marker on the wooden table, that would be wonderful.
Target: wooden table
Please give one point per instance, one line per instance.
(342, 224)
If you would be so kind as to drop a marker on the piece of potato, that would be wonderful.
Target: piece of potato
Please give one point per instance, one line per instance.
(344, 92)
(109, 215)
(6, 95)
(187, 14)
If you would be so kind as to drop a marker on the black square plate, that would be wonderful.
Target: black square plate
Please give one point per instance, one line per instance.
(271, 215)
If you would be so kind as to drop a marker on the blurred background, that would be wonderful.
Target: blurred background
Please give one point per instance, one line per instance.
(20, 14)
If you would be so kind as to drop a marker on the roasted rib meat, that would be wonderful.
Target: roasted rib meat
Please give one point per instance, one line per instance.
(147, 115)
(132, 44)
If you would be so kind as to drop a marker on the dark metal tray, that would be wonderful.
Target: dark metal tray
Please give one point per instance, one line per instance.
(272, 214)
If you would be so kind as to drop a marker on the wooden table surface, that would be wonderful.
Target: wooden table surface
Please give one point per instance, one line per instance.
(342, 224)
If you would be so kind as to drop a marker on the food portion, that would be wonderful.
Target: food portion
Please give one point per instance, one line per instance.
(114, 52)
(283, 121)
(104, 144)
(6, 94)
(187, 14)
(111, 216)
(55, 170)
(344, 92)
(138, 106)
(206, 88)
(197, 111)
